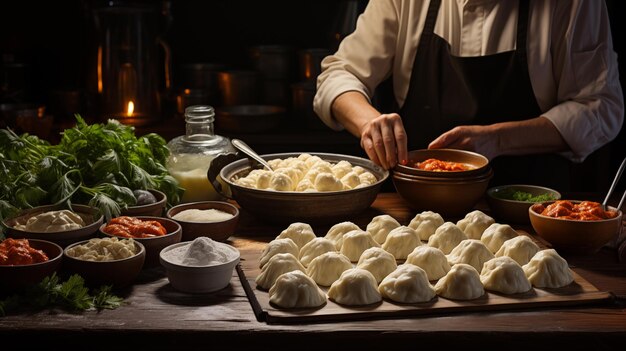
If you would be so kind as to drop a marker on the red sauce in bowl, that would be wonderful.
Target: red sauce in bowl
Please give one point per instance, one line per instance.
(131, 227)
(435, 165)
(15, 252)
(584, 211)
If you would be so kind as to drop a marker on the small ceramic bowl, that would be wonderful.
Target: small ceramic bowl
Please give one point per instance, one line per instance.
(574, 236)
(514, 211)
(63, 238)
(199, 279)
(478, 163)
(14, 278)
(218, 230)
(118, 273)
(154, 245)
(154, 209)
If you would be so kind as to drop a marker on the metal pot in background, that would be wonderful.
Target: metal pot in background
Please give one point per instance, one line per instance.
(239, 87)
(303, 94)
(310, 62)
(273, 62)
(201, 78)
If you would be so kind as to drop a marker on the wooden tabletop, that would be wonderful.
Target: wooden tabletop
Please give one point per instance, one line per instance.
(158, 317)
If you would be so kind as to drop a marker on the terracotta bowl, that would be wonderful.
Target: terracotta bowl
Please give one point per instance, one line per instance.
(448, 198)
(154, 245)
(513, 211)
(155, 209)
(14, 278)
(64, 238)
(479, 163)
(219, 231)
(572, 236)
(118, 273)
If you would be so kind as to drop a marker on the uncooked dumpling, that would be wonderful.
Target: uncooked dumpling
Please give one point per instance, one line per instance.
(447, 237)
(475, 223)
(300, 233)
(401, 241)
(378, 261)
(426, 223)
(521, 249)
(315, 248)
(355, 287)
(327, 182)
(504, 275)
(380, 226)
(472, 252)
(407, 284)
(461, 283)
(336, 232)
(277, 265)
(432, 260)
(281, 182)
(355, 242)
(277, 246)
(496, 234)
(326, 268)
(296, 290)
(547, 269)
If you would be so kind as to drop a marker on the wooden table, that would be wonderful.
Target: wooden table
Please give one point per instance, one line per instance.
(158, 317)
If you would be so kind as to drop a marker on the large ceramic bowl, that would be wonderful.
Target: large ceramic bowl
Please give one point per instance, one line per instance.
(515, 211)
(14, 278)
(155, 244)
(219, 230)
(477, 163)
(575, 236)
(292, 206)
(62, 238)
(154, 209)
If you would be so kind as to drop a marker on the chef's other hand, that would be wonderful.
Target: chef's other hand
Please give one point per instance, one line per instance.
(480, 139)
(384, 140)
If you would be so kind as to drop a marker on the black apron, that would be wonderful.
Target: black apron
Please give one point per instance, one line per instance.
(446, 91)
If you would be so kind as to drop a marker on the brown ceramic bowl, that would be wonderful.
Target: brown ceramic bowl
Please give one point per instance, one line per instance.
(448, 198)
(573, 236)
(514, 211)
(63, 238)
(118, 273)
(479, 164)
(154, 245)
(219, 230)
(155, 209)
(14, 278)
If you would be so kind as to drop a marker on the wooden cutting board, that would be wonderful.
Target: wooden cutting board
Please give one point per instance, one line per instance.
(580, 292)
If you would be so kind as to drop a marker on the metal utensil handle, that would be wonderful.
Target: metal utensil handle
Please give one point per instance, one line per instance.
(248, 151)
(615, 180)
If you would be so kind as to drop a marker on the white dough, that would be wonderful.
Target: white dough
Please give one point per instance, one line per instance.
(496, 234)
(327, 267)
(407, 284)
(447, 237)
(355, 242)
(547, 269)
(281, 182)
(300, 233)
(432, 260)
(461, 283)
(380, 226)
(327, 182)
(503, 274)
(341, 168)
(315, 248)
(378, 261)
(367, 178)
(355, 287)
(351, 180)
(337, 231)
(521, 249)
(426, 223)
(474, 224)
(296, 290)
(277, 246)
(277, 265)
(472, 252)
(401, 241)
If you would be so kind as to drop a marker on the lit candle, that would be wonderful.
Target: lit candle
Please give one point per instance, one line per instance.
(131, 108)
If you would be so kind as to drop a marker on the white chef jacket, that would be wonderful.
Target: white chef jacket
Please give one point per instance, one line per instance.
(572, 65)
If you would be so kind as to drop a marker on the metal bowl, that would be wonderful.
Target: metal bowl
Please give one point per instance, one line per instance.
(248, 118)
(291, 206)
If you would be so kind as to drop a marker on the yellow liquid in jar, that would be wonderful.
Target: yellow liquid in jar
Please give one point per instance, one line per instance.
(191, 172)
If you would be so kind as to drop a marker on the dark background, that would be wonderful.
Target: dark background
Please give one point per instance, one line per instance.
(45, 48)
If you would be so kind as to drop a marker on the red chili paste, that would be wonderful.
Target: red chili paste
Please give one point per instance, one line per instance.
(131, 227)
(583, 211)
(15, 252)
(435, 165)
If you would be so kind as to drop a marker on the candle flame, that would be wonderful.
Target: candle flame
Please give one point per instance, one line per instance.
(131, 108)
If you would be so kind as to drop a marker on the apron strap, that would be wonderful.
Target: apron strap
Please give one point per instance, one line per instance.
(522, 30)
(429, 24)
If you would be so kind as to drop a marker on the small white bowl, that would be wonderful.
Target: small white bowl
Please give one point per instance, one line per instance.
(199, 279)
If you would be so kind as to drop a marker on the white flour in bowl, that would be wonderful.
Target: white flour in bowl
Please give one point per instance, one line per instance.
(202, 251)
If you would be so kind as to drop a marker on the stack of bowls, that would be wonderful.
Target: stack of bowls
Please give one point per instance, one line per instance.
(451, 194)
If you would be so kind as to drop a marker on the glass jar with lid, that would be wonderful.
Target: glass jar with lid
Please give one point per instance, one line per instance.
(191, 154)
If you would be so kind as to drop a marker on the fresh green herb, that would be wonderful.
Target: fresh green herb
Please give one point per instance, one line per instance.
(71, 295)
(517, 195)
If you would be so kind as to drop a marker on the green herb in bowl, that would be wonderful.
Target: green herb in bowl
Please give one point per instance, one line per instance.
(510, 203)
(518, 195)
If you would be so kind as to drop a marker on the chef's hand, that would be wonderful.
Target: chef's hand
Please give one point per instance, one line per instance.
(480, 139)
(384, 140)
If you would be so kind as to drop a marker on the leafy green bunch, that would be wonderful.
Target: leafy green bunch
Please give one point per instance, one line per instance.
(98, 164)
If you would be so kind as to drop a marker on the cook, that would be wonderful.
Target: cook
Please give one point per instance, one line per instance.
(496, 77)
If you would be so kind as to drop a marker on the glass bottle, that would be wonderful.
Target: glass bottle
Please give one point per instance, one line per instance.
(191, 154)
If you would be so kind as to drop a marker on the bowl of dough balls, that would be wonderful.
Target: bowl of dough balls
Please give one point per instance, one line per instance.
(213, 219)
(447, 181)
(310, 187)
(202, 265)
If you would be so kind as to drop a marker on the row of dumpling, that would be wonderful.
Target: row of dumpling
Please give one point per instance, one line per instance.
(307, 173)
